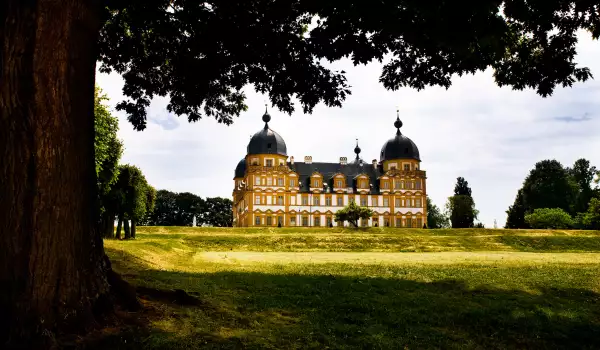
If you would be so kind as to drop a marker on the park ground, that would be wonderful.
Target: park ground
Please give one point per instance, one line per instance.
(374, 288)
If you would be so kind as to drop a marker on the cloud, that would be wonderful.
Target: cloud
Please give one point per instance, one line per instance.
(492, 136)
(570, 119)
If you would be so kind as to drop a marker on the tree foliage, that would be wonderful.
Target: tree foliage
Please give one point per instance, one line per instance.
(436, 218)
(462, 187)
(462, 211)
(133, 196)
(590, 219)
(107, 147)
(179, 209)
(550, 185)
(461, 206)
(202, 54)
(352, 213)
(549, 218)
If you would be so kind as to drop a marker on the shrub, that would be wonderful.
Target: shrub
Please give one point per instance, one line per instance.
(554, 218)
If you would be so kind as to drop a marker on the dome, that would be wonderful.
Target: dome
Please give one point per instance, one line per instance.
(240, 169)
(399, 146)
(267, 141)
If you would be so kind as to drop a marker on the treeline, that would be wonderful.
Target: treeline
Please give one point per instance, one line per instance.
(180, 209)
(553, 196)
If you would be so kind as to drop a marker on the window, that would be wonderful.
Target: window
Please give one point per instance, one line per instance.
(363, 202)
(386, 184)
(280, 181)
(329, 221)
(269, 162)
(292, 183)
(293, 221)
(269, 221)
(327, 200)
(339, 184)
(340, 201)
(305, 221)
(317, 221)
(398, 222)
(386, 222)
(279, 200)
(374, 201)
(269, 181)
(392, 167)
(351, 199)
(398, 203)
(257, 221)
(254, 161)
(257, 180)
(375, 221)
(316, 183)
(408, 222)
(386, 202)
(257, 200)
(397, 185)
(364, 222)
(419, 223)
(406, 167)
(304, 200)
(316, 200)
(418, 185)
(363, 183)
(280, 220)
(418, 203)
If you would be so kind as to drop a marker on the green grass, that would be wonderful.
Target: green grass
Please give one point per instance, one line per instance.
(320, 288)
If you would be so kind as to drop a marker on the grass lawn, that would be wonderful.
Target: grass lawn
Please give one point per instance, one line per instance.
(377, 288)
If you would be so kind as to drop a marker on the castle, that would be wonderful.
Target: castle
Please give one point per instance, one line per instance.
(271, 189)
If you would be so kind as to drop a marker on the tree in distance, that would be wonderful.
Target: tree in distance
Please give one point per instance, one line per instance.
(352, 213)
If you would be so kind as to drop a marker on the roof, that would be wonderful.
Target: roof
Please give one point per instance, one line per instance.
(267, 141)
(399, 147)
(240, 169)
(329, 170)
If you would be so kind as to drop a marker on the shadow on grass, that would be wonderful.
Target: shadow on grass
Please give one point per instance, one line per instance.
(281, 311)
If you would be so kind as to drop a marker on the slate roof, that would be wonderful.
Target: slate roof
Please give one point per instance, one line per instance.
(328, 170)
(240, 169)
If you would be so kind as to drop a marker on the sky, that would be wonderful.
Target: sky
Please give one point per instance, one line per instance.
(489, 135)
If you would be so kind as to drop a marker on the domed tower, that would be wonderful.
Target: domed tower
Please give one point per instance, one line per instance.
(266, 147)
(399, 152)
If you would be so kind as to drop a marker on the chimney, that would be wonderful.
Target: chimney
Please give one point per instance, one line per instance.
(292, 160)
(343, 160)
(308, 159)
(374, 163)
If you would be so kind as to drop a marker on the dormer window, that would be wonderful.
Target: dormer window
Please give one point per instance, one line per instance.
(339, 184)
(268, 146)
(363, 183)
(316, 183)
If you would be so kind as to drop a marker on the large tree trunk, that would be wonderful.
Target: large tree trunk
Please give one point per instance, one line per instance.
(126, 227)
(108, 225)
(133, 226)
(52, 271)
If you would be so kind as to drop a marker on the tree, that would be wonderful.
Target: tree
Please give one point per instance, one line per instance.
(549, 218)
(461, 206)
(435, 217)
(132, 192)
(462, 187)
(219, 212)
(582, 175)
(591, 218)
(462, 211)
(352, 213)
(108, 150)
(548, 186)
(202, 55)
(516, 213)
(176, 209)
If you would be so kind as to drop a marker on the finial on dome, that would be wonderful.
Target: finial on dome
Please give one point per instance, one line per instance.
(357, 149)
(266, 117)
(398, 122)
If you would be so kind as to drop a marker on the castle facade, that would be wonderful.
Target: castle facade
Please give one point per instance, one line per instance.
(272, 188)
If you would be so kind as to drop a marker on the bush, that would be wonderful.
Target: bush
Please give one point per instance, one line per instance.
(551, 218)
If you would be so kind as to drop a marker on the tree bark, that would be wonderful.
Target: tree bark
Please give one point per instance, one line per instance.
(133, 226)
(119, 225)
(108, 222)
(52, 271)
(126, 228)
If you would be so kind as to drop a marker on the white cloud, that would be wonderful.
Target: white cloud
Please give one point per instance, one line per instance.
(491, 136)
